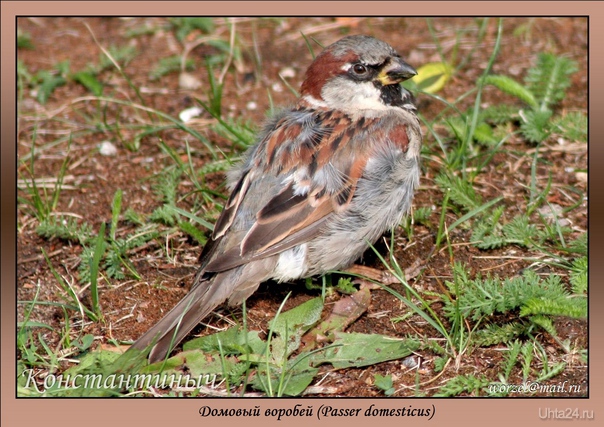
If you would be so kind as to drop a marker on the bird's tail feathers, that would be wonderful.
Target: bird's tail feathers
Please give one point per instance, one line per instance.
(204, 297)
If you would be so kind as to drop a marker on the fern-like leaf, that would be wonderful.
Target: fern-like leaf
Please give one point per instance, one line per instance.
(527, 359)
(578, 275)
(494, 334)
(462, 192)
(511, 358)
(500, 113)
(66, 228)
(569, 307)
(463, 384)
(484, 135)
(536, 125)
(572, 126)
(164, 215)
(550, 78)
(193, 231)
(484, 297)
(579, 245)
(511, 86)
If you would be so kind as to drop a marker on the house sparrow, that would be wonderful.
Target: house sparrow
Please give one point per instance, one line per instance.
(326, 178)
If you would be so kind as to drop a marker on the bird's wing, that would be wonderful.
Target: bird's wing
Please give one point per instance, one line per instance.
(316, 162)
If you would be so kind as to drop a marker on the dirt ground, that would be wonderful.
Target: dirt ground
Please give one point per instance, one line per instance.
(166, 267)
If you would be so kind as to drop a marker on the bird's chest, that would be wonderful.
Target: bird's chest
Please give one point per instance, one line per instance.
(387, 186)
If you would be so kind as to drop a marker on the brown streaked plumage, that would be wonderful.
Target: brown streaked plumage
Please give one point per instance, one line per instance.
(326, 177)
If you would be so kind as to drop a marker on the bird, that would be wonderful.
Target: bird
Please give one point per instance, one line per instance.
(325, 179)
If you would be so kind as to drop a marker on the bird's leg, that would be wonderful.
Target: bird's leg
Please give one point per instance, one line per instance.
(382, 276)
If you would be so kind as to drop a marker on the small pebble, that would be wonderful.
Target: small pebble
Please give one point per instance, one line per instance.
(188, 81)
(553, 212)
(411, 362)
(549, 210)
(107, 149)
(287, 72)
(190, 113)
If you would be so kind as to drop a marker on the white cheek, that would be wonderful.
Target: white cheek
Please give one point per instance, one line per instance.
(369, 97)
(291, 264)
(353, 97)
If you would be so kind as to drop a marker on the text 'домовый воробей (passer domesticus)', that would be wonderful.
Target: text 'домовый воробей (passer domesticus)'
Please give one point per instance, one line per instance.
(326, 178)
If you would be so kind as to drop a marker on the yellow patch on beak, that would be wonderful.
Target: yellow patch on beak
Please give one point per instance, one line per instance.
(384, 79)
(395, 72)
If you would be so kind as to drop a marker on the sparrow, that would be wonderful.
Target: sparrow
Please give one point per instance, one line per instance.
(325, 179)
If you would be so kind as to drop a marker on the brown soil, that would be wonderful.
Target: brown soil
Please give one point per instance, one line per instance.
(131, 306)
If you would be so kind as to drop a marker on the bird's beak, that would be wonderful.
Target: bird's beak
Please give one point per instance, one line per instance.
(395, 72)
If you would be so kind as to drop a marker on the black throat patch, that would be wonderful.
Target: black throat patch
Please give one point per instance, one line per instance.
(394, 95)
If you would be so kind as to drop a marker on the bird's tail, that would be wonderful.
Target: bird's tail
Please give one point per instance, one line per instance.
(204, 296)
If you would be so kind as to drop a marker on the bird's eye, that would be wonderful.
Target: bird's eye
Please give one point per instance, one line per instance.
(359, 69)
